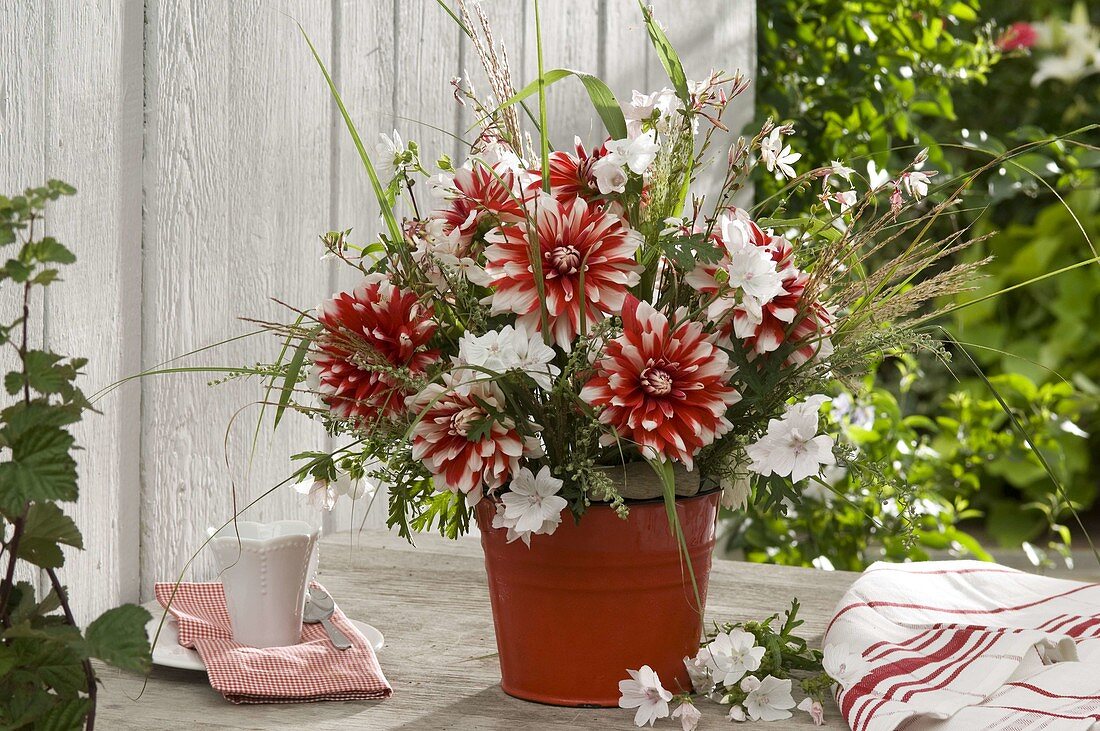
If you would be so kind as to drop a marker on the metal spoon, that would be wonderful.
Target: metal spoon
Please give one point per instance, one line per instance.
(319, 608)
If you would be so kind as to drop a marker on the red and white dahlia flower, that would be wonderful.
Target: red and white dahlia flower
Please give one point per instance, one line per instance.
(667, 390)
(466, 449)
(575, 240)
(379, 324)
(477, 198)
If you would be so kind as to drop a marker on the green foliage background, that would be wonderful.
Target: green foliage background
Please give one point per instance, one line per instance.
(868, 81)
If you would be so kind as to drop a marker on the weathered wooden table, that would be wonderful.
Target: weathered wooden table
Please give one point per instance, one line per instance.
(432, 604)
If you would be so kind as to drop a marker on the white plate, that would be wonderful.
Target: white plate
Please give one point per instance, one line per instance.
(170, 654)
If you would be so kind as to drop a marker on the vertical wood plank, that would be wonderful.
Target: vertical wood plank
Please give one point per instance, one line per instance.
(23, 131)
(237, 163)
(711, 34)
(570, 39)
(94, 142)
(365, 63)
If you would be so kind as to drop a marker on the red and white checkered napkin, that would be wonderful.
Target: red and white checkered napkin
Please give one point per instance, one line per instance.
(963, 646)
(312, 670)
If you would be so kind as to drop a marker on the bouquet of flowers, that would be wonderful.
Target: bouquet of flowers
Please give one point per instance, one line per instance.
(529, 317)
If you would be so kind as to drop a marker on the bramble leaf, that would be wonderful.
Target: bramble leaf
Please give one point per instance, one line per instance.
(118, 637)
(46, 528)
(41, 467)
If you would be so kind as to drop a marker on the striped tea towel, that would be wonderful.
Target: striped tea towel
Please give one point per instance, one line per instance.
(312, 670)
(964, 646)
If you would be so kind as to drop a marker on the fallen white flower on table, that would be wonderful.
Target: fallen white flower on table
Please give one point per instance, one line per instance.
(791, 446)
(769, 699)
(737, 713)
(732, 654)
(644, 692)
(688, 714)
(699, 671)
(812, 707)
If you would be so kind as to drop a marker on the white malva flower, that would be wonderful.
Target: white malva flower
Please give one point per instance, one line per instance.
(644, 692)
(643, 106)
(688, 714)
(699, 671)
(843, 665)
(610, 176)
(768, 699)
(320, 495)
(791, 446)
(732, 654)
(353, 488)
(532, 505)
(752, 270)
(776, 156)
(637, 154)
(509, 349)
(735, 492)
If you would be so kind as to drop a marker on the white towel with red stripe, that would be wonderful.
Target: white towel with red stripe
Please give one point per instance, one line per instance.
(963, 646)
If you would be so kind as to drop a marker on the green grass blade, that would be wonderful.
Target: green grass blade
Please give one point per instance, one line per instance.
(293, 371)
(668, 488)
(544, 132)
(376, 184)
(602, 98)
(670, 60)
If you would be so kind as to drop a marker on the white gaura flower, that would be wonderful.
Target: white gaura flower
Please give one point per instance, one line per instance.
(644, 692)
(776, 156)
(915, 183)
(876, 178)
(812, 707)
(688, 714)
(320, 495)
(637, 154)
(609, 174)
(843, 665)
(736, 492)
(836, 167)
(466, 268)
(768, 699)
(532, 504)
(732, 654)
(391, 151)
(792, 447)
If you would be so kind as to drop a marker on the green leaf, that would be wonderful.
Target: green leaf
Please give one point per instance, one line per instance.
(56, 664)
(49, 249)
(118, 637)
(66, 714)
(46, 528)
(41, 468)
(602, 98)
(294, 370)
(670, 60)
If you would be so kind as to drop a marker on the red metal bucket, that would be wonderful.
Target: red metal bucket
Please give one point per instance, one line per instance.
(580, 606)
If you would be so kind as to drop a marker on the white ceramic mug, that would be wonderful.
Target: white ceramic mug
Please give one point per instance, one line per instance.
(265, 573)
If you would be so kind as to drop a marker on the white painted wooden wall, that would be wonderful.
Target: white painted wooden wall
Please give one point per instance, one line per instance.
(208, 158)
